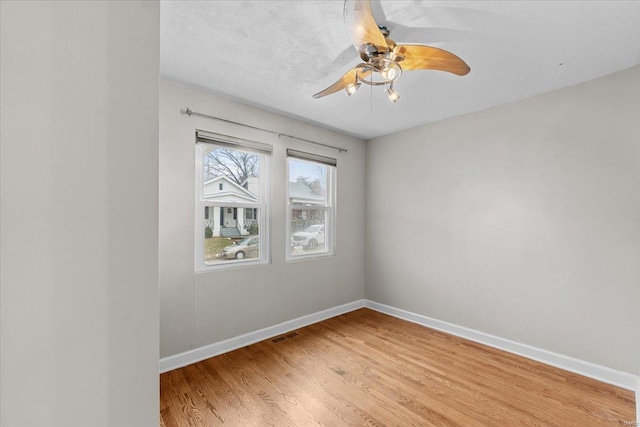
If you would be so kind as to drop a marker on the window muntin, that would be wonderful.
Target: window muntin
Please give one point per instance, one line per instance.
(232, 202)
(310, 208)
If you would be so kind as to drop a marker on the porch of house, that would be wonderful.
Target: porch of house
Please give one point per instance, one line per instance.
(230, 222)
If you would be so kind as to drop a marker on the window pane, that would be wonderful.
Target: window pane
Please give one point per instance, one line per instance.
(308, 183)
(230, 176)
(229, 235)
(250, 214)
(308, 231)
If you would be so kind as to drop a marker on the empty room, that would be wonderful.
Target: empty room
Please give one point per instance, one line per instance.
(320, 213)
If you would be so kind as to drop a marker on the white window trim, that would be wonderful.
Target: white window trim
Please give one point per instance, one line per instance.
(330, 214)
(262, 206)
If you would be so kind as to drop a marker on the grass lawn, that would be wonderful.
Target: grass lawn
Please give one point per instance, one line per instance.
(214, 245)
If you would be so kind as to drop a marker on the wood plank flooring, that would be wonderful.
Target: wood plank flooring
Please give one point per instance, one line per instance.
(365, 368)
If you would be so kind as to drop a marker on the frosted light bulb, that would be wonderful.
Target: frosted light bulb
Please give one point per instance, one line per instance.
(389, 73)
(393, 95)
(352, 88)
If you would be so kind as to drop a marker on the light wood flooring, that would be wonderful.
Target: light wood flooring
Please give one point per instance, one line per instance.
(365, 368)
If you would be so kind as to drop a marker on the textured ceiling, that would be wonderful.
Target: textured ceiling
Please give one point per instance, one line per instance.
(277, 54)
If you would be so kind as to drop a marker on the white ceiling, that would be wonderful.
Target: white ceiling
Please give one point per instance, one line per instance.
(277, 54)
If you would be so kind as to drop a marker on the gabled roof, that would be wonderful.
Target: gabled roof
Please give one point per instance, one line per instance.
(299, 192)
(236, 191)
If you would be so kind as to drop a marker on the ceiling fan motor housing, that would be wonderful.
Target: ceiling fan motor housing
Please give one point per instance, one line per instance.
(369, 52)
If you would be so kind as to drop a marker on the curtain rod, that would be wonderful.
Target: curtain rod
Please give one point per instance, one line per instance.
(190, 112)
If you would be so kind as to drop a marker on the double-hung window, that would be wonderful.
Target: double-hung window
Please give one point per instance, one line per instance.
(231, 201)
(311, 188)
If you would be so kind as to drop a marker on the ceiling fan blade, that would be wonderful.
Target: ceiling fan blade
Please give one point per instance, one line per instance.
(362, 26)
(419, 57)
(347, 79)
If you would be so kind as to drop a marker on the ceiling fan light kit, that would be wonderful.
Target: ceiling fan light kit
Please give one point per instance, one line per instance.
(393, 95)
(352, 88)
(384, 60)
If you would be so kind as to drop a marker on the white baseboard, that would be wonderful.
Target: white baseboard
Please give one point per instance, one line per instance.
(588, 369)
(196, 355)
(601, 373)
(638, 402)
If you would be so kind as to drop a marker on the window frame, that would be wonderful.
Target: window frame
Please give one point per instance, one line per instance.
(262, 205)
(329, 207)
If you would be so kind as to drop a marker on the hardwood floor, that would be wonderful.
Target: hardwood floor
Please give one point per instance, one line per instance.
(365, 368)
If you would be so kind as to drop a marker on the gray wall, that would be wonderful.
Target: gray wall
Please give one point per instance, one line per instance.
(521, 221)
(79, 155)
(200, 309)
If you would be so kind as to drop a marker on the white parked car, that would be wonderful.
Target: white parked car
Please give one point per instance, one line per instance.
(309, 238)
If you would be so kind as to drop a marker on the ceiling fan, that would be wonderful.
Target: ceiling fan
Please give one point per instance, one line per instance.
(384, 60)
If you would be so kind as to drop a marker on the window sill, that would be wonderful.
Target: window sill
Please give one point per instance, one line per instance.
(310, 257)
(230, 265)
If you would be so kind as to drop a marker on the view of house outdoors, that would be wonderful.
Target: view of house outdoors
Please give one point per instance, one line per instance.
(233, 208)
(308, 204)
(231, 232)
